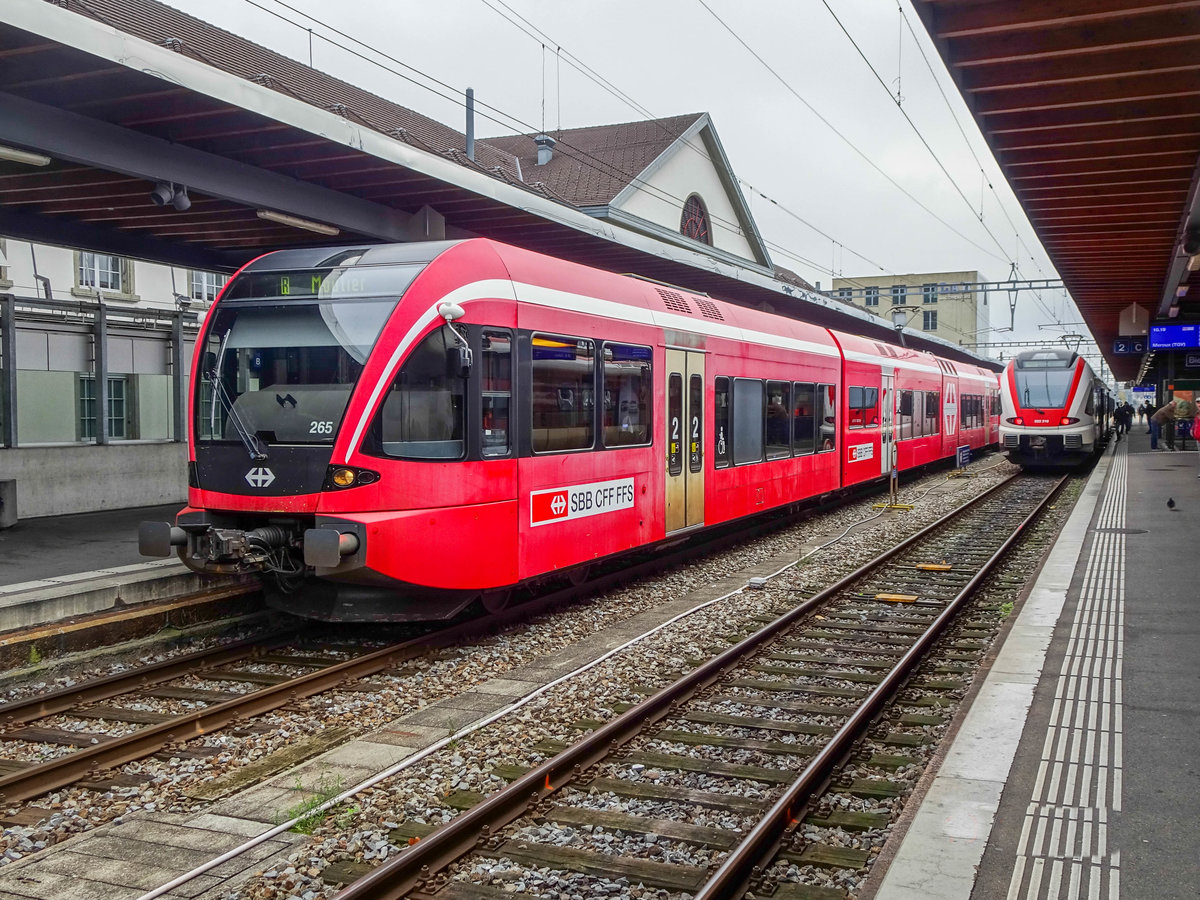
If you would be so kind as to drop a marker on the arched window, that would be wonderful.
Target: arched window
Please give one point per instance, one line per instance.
(694, 223)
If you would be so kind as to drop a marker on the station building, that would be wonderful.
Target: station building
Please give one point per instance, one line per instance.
(948, 305)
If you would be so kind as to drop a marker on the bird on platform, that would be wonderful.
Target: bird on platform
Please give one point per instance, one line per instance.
(1170, 503)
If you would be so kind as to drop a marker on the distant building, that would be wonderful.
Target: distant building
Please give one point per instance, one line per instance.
(944, 304)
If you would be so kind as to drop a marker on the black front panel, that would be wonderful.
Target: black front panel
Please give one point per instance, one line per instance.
(228, 468)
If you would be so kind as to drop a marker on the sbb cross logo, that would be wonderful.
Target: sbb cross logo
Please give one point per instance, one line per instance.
(260, 477)
(548, 506)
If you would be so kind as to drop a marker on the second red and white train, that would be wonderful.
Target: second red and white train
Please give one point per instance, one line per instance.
(1055, 411)
(401, 430)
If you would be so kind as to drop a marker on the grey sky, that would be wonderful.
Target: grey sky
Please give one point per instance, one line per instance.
(672, 57)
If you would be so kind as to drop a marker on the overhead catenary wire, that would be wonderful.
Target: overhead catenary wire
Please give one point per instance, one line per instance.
(846, 140)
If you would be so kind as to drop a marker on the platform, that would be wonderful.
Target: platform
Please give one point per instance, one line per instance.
(1074, 773)
(59, 567)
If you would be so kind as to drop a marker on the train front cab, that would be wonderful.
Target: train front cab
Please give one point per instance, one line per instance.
(1051, 409)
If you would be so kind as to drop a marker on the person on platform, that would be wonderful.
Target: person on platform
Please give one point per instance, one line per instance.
(1141, 411)
(1144, 412)
(1162, 424)
(1185, 415)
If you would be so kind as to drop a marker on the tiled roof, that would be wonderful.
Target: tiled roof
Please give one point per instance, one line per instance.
(592, 165)
(163, 25)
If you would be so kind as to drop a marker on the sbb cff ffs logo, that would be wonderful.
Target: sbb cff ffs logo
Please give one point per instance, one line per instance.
(580, 501)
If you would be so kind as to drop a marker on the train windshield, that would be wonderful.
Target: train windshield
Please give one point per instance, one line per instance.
(1043, 387)
(280, 367)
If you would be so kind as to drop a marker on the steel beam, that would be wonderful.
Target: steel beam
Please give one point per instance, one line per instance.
(8, 383)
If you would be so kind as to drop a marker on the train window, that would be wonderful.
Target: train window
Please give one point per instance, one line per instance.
(563, 393)
(804, 419)
(905, 415)
(864, 403)
(286, 373)
(627, 395)
(695, 423)
(827, 434)
(721, 423)
(422, 414)
(918, 414)
(995, 403)
(933, 412)
(675, 424)
(1091, 404)
(855, 399)
(778, 422)
(747, 421)
(495, 383)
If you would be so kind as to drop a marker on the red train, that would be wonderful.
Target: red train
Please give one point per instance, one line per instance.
(420, 426)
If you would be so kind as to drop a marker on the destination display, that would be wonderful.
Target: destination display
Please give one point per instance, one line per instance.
(1175, 337)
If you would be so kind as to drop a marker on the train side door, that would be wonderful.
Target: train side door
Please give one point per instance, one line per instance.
(887, 424)
(685, 440)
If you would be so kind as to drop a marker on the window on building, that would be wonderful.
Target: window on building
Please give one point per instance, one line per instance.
(102, 273)
(872, 296)
(627, 394)
(899, 294)
(929, 320)
(117, 408)
(694, 222)
(845, 294)
(929, 293)
(206, 285)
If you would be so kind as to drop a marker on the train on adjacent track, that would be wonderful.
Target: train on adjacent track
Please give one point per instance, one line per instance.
(395, 432)
(1055, 411)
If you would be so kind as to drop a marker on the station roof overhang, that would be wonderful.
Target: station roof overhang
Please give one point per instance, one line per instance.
(118, 113)
(1092, 110)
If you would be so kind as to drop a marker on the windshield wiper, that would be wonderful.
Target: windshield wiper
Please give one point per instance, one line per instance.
(256, 447)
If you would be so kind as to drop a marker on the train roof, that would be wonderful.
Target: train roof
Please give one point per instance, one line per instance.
(1049, 358)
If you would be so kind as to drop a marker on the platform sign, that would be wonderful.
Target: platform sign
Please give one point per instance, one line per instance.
(1129, 346)
(962, 456)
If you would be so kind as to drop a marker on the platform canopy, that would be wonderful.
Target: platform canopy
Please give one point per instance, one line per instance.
(1092, 109)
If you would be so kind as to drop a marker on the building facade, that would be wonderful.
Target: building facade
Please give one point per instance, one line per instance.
(94, 358)
(948, 305)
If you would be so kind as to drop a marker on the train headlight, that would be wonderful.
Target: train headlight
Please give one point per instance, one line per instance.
(339, 477)
(1068, 420)
(1015, 420)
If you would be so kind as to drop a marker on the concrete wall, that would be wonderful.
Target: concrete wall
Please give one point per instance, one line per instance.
(54, 481)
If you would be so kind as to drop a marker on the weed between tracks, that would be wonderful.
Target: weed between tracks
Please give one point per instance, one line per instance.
(327, 787)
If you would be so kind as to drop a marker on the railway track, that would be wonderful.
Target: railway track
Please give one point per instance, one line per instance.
(253, 677)
(751, 737)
